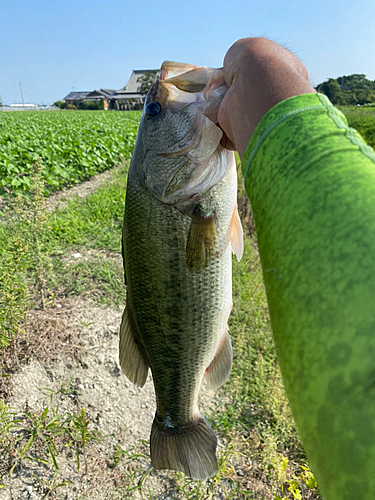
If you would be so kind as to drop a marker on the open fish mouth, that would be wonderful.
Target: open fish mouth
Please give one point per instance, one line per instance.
(206, 85)
(187, 94)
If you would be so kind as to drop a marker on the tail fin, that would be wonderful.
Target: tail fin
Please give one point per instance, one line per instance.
(190, 449)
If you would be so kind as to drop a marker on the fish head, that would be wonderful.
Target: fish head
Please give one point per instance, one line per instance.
(179, 136)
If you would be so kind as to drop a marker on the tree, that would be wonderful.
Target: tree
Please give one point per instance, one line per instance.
(146, 81)
(349, 90)
(60, 104)
(331, 89)
(92, 105)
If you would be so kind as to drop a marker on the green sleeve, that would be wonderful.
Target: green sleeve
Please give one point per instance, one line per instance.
(311, 182)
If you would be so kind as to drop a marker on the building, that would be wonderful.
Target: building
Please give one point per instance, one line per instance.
(24, 106)
(125, 98)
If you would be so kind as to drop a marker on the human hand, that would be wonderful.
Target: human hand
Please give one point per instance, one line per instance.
(259, 74)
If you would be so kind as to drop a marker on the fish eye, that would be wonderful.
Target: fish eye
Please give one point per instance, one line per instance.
(153, 109)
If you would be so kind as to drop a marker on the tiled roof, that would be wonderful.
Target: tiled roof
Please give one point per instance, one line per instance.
(76, 96)
(133, 84)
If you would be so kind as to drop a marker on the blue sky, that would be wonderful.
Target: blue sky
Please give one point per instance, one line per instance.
(53, 46)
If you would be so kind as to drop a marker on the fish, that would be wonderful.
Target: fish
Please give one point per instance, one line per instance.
(180, 226)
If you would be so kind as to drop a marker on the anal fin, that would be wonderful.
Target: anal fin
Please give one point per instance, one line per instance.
(236, 234)
(220, 367)
(130, 357)
(201, 240)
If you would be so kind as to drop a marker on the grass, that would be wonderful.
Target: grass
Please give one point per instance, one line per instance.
(95, 222)
(363, 120)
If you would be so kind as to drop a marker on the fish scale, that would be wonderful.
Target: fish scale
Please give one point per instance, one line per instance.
(177, 308)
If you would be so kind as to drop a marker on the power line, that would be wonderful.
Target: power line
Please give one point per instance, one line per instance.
(36, 90)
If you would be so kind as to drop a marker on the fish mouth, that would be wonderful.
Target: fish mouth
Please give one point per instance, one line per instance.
(169, 69)
(189, 78)
(197, 154)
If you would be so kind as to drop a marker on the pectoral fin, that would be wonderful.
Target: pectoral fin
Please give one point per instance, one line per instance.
(130, 357)
(201, 240)
(236, 235)
(220, 367)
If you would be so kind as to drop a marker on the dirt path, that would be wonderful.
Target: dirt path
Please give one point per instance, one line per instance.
(58, 200)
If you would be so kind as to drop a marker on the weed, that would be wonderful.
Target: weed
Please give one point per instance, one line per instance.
(297, 483)
(50, 485)
(35, 437)
(24, 262)
(14, 294)
(65, 389)
(135, 472)
(31, 214)
(92, 276)
(39, 426)
(78, 429)
(96, 221)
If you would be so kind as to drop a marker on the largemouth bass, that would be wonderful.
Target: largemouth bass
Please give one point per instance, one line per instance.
(180, 224)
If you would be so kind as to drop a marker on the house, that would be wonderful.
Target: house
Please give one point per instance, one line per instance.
(76, 97)
(129, 97)
(125, 98)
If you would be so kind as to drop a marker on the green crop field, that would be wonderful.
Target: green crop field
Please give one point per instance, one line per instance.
(72, 146)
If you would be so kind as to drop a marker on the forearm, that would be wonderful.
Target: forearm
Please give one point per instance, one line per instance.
(311, 182)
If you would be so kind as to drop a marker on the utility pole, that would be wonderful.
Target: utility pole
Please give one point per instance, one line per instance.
(21, 94)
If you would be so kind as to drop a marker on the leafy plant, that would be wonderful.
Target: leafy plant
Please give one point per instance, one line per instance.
(14, 294)
(24, 262)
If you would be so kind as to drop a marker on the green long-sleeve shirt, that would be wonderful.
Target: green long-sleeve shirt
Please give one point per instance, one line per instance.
(311, 182)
